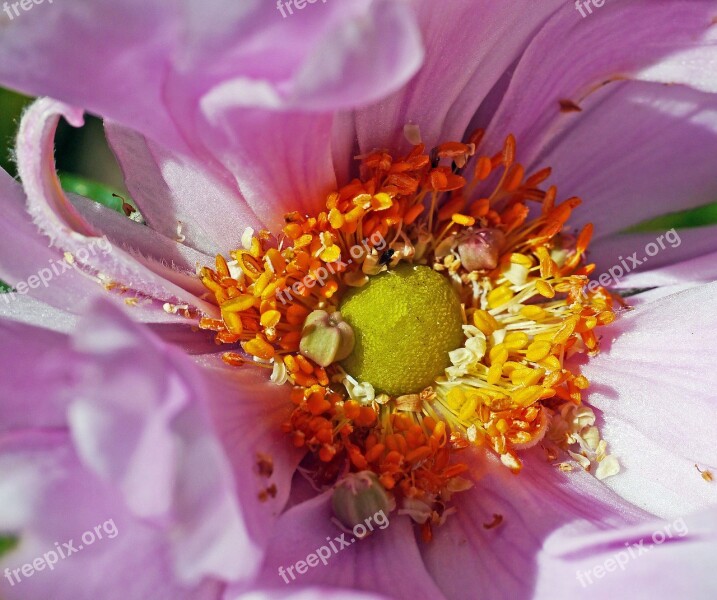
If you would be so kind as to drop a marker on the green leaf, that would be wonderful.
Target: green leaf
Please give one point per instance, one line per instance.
(99, 192)
(11, 107)
(700, 216)
(8, 544)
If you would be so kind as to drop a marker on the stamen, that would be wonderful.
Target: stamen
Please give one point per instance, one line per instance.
(499, 376)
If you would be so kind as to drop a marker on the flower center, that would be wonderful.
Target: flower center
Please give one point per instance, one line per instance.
(406, 321)
(426, 310)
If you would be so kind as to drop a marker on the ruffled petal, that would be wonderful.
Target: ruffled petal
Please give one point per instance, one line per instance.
(77, 53)
(97, 549)
(211, 80)
(654, 385)
(489, 548)
(145, 432)
(69, 230)
(131, 425)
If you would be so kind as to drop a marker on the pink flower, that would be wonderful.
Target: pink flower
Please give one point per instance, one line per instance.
(226, 116)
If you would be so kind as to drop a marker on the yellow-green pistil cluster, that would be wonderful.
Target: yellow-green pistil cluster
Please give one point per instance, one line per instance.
(406, 321)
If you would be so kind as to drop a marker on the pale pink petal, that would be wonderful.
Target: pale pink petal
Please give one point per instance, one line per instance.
(654, 386)
(26, 253)
(139, 239)
(41, 478)
(28, 310)
(31, 376)
(670, 265)
(76, 52)
(185, 50)
(302, 593)
(131, 418)
(145, 432)
(657, 559)
(248, 412)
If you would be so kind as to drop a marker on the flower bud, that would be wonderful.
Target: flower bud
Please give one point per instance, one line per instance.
(359, 496)
(326, 338)
(479, 249)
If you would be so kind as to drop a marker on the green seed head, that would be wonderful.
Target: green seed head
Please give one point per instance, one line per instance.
(405, 321)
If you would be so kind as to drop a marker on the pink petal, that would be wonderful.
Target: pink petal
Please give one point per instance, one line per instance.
(21, 346)
(143, 448)
(248, 412)
(281, 161)
(25, 253)
(175, 192)
(605, 47)
(100, 66)
(466, 557)
(203, 69)
(469, 45)
(253, 119)
(41, 478)
(145, 431)
(49, 291)
(386, 562)
(28, 310)
(688, 256)
(139, 239)
(654, 384)
(610, 159)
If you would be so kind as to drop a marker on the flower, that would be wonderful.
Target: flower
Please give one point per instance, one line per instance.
(240, 117)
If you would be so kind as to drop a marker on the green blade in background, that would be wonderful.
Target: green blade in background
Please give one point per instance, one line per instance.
(99, 192)
(11, 107)
(700, 216)
(7, 544)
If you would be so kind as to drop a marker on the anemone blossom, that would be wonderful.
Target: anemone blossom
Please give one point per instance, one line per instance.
(361, 290)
